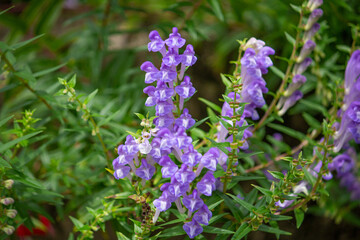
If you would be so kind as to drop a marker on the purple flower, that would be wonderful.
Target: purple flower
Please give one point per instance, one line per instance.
(151, 100)
(146, 171)
(163, 203)
(342, 164)
(164, 121)
(172, 58)
(152, 73)
(299, 68)
(156, 43)
(131, 147)
(163, 92)
(182, 139)
(308, 35)
(121, 171)
(175, 41)
(193, 201)
(308, 47)
(210, 158)
(352, 71)
(167, 74)
(290, 101)
(184, 175)
(169, 168)
(313, 4)
(176, 188)
(314, 16)
(192, 228)
(185, 89)
(207, 184)
(164, 108)
(191, 157)
(185, 120)
(203, 216)
(188, 57)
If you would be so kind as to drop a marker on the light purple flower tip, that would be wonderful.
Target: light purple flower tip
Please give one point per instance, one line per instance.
(203, 216)
(188, 57)
(152, 73)
(121, 171)
(185, 89)
(175, 41)
(169, 168)
(193, 201)
(176, 188)
(207, 184)
(210, 158)
(156, 43)
(184, 175)
(299, 68)
(191, 157)
(192, 229)
(172, 58)
(163, 92)
(151, 100)
(308, 35)
(146, 171)
(185, 120)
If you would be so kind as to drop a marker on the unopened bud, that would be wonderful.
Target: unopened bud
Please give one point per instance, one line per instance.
(8, 229)
(11, 213)
(7, 201)
(8, 183)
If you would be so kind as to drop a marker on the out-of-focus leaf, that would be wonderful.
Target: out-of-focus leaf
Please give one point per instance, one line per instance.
(216, 7)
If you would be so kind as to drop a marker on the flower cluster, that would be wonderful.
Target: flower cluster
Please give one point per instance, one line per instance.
(350, 112)
(292, 94)
(254, 63)
(167, 144)
(344, 165)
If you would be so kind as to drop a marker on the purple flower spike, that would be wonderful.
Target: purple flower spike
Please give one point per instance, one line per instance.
(172, 58)
(192, 229)
(184, 175)
(146, 171)
(207, 184)
(203, 216)
(191, 157)
(185, 120)
(163, 92)
(156, 43)
(169, 168)
(210, 159)
(185, 89)
(152, 73)
(175, 41)
(176, 188)
(308, 47)
(121, 171)
(193, 201)
(188, 57)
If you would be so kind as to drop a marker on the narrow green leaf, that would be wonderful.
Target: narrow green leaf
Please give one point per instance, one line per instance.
(121, 236)
(172, 232)
(291, 132)
(198, 123)
(225, 80)
(140, 116)
(210, 104)
(227, 99)
(230, 204)
(72, 81)
(277, 72)
(76, 222)
(216, 7)
(265, 228)
(242, 231)
(47, 71)
(4, 163)
(21, 44)
(280, 218)
(2, 12)
(296, 8)
(2, 122)
(8, 145)
(243, 203)
(299, 216)
(26, 76)
(265, 191)
(214, 205)
(290, 38)
(216, 230)
(276, 174)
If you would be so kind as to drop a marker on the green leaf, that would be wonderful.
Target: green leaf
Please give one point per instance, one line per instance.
(277, 72)
(311, 121)
(242, 231)
(76, 222)
(72, 81)
(296, 8)
(265, 191)
(243, 203)
(291, 132)
(174, 231)
(216, 7)
(210, 104)
(2, 122)
(8, 145)
(225, 123)
(230, 204)
(21, 44)
(227, 99)
(290, 38)
(265, 228)
(280, 218)
(299, 216)
(225, 80)
(2, 12)
(27, 76)
(198, 123)
(315, 106)
(140, 116)
(343, 48)
(212, 206)
(121, 236)
(4, 163)
(276, 174)
(216, 230)
(90, 97)
(309, 177)
(47, 71)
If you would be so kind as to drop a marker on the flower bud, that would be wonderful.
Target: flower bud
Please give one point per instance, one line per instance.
(8, 183)
(8, 229)
(7, 201)
(11, 213)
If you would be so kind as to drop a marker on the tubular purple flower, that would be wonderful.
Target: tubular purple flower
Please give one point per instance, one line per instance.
(185, 90)
(151, 100)
(152, 73)
(193, 201)
(188, 57)
(175, 41)
(207, 184)
(185, 120)
(342, 164)
(146, 171)
(290, 101)
(308, 35)
(169, 168)
(163, 92)
(352, 71)
(192, 229)
(314, 16)
(203, 216)
(167, 74)
(308, 47)
(299, 68)
(191, 157)
(176, 188)
(172, 58)
(297, 81)
(156, 44)
(184, 175)
(313, 4)
(182, 139)
(210, 158)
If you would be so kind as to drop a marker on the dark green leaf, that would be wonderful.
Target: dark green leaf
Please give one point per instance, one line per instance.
(290, 38)
(210, 104)
(265, 228)
(216, 7)
(242, 231)
(299, 216)
(216, 230)
(243, 203)
(8, 145)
